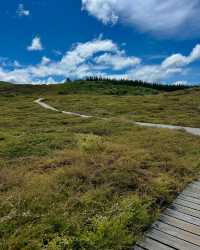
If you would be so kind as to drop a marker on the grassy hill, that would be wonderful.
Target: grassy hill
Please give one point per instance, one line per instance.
(73, 183)
(79, 87)
(92, 86)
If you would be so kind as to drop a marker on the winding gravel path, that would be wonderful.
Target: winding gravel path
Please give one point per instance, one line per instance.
(193, 131)
(41, 102)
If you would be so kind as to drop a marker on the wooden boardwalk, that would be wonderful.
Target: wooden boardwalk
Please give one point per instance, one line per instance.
(179, 226)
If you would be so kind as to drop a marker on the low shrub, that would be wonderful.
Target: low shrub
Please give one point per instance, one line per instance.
(89, 143)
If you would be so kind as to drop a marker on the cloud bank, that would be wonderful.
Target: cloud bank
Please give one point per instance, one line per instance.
(97, 57)
(167, 18)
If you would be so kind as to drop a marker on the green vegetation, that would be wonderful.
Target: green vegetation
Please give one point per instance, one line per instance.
(79, 87)
(136, 83)
(91, 184)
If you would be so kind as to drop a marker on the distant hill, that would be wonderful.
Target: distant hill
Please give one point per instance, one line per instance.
(138, 83)
(92, 85)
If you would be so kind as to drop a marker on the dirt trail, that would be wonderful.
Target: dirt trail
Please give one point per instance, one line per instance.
(193, 131)
(41, 102)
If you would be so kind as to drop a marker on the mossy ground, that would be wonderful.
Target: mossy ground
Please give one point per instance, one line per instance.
(72, 183)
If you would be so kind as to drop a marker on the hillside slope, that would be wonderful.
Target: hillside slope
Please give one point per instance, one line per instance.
(73, 183)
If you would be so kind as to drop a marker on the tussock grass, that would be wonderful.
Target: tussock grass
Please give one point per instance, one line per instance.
(72, 183)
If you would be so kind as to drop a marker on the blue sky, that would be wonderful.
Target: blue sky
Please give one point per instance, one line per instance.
(46, 41)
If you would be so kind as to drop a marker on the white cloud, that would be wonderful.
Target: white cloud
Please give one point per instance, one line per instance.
(117, 61)
(195, 54)
(178, 60)
(21, 11)
(36, 44)
(169, 17)
(153, 73)
(97, 57)
(103, 10)
(175, 60)
(172, 65)
(45, 60)
(76, 63)
(15, 76)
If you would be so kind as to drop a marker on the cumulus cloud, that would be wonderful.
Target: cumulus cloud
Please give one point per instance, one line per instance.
(168, 18)
(170, 66)
(76, 63)
(36, 44)
(118, 61)
(177, 60)
(21, 11)
(103, 10)
(97, 57)
(153, 73)
(15, 76)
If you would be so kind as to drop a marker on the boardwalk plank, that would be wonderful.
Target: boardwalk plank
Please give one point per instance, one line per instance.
(187, 204)
(176, 232)
(195, 187)
(191, 194)
(187, 198)
(192, 189)
(185, 210)
(197, 183)
(171, 240)
(150, 244)
(180, 224)
(182, 216)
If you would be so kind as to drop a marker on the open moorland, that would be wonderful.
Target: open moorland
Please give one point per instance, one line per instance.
(97, 184)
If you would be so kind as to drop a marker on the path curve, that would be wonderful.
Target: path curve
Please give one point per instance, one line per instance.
(190, 130)
(41, 102)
